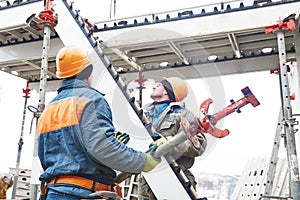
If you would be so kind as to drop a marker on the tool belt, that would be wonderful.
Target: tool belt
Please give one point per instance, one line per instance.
(86, 183)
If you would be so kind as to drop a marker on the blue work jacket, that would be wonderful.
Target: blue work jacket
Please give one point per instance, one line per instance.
(76, 137)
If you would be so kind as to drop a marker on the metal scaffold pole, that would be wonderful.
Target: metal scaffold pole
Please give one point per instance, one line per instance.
(48, 20)
(288, 122)
(26, 92)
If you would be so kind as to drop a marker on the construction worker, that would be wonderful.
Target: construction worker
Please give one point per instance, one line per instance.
(165, 114)
(6, 181)
(77, 146)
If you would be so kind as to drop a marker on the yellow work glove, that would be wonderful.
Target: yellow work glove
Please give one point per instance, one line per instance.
(159, 142)
(122, 137)
(151, 160)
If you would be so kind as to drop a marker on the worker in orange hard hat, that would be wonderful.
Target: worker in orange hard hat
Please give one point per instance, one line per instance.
(6, 181)
(175, 89)
(77, 145)
(165, 114)
(73, 61)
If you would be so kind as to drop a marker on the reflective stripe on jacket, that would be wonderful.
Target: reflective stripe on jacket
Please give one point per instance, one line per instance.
(76, 136)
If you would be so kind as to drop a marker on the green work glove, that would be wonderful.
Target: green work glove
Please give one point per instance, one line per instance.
(122, 137)
(151, 160)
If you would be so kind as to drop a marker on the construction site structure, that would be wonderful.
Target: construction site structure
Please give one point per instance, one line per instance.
(26, 92)
(147, 43)
(22, 189)
(280, 178)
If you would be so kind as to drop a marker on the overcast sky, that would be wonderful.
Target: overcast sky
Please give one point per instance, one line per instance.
(251, 132)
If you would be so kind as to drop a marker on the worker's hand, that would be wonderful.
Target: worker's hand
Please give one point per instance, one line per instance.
(158, 142)
(196, 125)
(151, 160)
(122, 137)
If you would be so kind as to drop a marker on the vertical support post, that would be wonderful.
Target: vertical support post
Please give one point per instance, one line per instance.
(48, 20)
(288, 121)
(41, 106)
(296, 88)
(26, 91)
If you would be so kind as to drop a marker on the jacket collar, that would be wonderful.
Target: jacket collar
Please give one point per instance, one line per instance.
(162, 102)
(74, 83)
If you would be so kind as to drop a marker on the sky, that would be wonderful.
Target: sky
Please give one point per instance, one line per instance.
(251, 131)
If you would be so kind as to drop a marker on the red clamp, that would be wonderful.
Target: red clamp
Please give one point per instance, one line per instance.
(292, 96)
(277, 70)
(47, 16)
(288, 24)
(26, 91)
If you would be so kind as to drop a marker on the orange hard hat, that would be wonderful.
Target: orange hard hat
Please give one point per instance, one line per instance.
(71, 60)
(179, 87)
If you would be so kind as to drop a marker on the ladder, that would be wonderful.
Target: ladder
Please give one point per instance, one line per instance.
(286, 121)
(73, 30)
(131, 188)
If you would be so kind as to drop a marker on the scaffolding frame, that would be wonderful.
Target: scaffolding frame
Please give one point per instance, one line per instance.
(286, 120)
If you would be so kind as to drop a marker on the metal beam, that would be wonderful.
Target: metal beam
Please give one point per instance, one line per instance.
(178, 52)
(234, 45)
(167, 31)
(38, 67)
(127, 59)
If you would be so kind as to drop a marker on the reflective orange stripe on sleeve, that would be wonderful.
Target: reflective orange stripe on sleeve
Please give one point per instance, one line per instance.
(64, 113)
